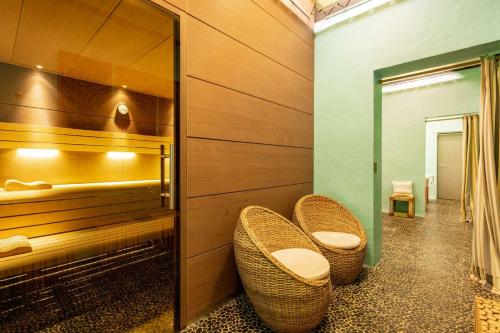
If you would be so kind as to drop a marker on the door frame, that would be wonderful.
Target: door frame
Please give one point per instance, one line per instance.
(178, 7)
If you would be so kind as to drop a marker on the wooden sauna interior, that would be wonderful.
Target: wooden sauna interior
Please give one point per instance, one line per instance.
(65, 66)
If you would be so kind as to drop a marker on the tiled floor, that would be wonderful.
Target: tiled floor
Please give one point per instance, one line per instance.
(421, 285)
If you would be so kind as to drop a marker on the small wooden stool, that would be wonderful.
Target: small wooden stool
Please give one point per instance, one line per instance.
(402, 197)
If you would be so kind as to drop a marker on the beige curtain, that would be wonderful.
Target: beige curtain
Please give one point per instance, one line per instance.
(486, 228)
(470, 157)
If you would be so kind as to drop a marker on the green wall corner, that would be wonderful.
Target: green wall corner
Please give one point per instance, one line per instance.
(351, 57)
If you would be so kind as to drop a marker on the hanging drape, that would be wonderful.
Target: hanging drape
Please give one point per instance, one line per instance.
(486, 227)
(470, 156)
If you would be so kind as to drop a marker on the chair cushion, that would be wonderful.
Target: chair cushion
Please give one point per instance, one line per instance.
(304, 262)
(340, 240)
(402, 186)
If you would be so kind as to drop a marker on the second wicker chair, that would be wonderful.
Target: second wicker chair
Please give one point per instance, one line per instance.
(320, 217)
(283, 299)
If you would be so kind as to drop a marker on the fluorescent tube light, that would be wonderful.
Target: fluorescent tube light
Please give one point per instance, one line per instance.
(348, 13)
(37, 153)
(120, 154)
(421, 82)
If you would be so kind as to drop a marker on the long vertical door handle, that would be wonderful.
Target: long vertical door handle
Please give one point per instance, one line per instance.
(171, 185)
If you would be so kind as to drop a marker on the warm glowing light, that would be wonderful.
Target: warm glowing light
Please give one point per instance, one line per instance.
(348, 13)
(121, 154)
(421, 82)
(37, 153)
(39, 66)
(122, 108)
(124, 86)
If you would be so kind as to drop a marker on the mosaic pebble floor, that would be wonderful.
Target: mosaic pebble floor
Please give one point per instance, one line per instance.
(421, 285)
(138, 298)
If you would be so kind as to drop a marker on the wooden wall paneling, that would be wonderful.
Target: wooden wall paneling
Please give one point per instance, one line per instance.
(32, 88)
(73, 225)
(76, 23)
(222, 166)
(179, 4)
(159, 64)
(212, 219)
(211, 278)
(288, 18)
(133, 29)
(45, 117)
(87, 213)
(248, 23)
(220, 113)
(92, 200)
(217, 58)
(10, 11)
(31, 96)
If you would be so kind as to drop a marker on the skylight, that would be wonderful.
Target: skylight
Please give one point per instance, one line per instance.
(348, 13)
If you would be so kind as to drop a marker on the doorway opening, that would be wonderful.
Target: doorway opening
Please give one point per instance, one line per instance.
(421, 136)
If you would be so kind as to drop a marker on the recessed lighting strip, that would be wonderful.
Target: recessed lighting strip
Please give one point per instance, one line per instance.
(421, 82)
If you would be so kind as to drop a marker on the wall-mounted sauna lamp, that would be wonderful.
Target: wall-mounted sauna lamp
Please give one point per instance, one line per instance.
(37, 153)
(122, 108)
(120, 154)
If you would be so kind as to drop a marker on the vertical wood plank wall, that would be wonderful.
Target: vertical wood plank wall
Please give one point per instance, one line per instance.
(249, 82)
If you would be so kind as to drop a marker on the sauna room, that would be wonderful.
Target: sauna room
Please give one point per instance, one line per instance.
(88, 106)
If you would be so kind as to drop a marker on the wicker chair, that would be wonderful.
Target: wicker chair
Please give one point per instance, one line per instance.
(318, 213)
(285, 301)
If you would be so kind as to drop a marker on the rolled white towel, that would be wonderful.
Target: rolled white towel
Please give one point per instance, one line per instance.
(17, 185)
(14, 245)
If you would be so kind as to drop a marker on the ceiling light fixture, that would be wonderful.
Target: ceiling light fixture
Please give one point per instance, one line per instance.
(120, 154)
(421, 82)
(37, 153)
(39, 66)
(348, 13)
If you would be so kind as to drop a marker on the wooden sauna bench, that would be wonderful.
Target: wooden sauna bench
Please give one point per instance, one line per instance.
(74, 222)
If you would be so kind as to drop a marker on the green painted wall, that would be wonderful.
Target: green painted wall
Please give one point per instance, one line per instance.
(347, 105)
(403, 129)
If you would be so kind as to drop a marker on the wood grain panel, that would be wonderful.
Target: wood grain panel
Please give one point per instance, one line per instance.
(49, 27)
(215, 57)
(220, 113)
(44, 117)
(87, 213)
(245, 21)
(211, 278)
(181, 4)
(222, 166)
(31, 88)
(133, 28)
(281, 13)
(10, 11)
(37, 207)
(67, 226)
(212, 219)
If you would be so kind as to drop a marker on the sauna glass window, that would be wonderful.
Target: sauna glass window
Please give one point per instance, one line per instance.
(88, 106)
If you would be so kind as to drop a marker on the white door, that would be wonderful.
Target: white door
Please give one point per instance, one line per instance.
(449, 175)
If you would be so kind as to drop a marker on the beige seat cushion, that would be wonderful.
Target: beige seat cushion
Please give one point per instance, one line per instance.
(304, 262)
(339, 240)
